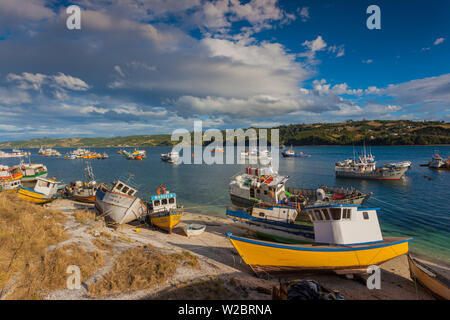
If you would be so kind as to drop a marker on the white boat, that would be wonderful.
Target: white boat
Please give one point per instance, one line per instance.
(171, 157)
(120, 203)
(49, 152)
(264, 184)
(31, 171)
(194, 229)
(437, 162)
(14, 154)
(44, 191)
(10, 186)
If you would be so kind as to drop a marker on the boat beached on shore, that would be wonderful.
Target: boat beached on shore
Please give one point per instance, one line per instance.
(44, 191)
(347, 239)
(163, 211)
(119, 203)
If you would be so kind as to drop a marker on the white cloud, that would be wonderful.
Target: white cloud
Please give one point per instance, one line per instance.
(438, 41)
(304, 13)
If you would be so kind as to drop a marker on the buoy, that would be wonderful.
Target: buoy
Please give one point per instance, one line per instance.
(138, 230)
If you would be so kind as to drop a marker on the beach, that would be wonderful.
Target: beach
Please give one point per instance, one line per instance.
(201, 267)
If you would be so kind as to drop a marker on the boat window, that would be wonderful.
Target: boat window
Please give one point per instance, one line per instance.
(346, 214)
(317, 215)
(156, 203)
(164, 201)
(261, 214)
(172, 200)
(336, 213)
(325, 214)
(119, 186)
(365, 215)
(265, 192)
(131, 192)
(125, 189)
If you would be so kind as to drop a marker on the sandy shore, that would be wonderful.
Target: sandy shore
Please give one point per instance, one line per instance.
(218, 261)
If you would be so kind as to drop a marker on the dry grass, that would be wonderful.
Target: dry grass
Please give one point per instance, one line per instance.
(83, 216)
(140, 268)
(102, 244)
(26, 231)
(49, 273)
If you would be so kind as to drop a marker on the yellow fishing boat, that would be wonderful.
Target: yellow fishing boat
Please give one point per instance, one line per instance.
(44, 191)
(347, 238)
(163, 211)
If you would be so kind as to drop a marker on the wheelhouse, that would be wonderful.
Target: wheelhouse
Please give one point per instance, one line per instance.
(344, 224)
(122, 187)
(162, 202)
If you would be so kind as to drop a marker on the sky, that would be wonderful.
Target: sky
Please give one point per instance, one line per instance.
(153, 66)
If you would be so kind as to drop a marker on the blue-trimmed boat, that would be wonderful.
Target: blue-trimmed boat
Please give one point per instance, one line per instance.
(276, 223)
(347, 238)
(163, 211)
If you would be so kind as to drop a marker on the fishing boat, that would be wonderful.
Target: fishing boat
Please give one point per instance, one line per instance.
(10, 186)
(194, 229)
(428, 276)
(437, 162)
(14, 154)
(347, 239)
(10, 173)
(264, 184)
(136, 155)
(44, 191)
(49, 152)
(364, 167)
(84, 191)
(171, 157)
(292, 154)
(119, 203)
(31, 171)
(275, 223)
(162, 210)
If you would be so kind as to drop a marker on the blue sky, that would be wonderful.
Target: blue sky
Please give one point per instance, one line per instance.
(144, 67)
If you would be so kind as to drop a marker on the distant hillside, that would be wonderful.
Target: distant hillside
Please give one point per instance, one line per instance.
(375, 132)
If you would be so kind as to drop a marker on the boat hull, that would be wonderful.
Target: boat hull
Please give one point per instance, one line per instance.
(33, 177)
(283, 232)
(121, 208)
(166, 220)
(85, 199)
(436, 285)
(376, 175)
(33, 196)
(194, 230)
(264, 255)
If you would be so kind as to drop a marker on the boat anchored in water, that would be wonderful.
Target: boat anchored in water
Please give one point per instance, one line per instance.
(162, 210)
(292, 154)
(347, 239)
(437, 162)
(365, 168)
(119, 203)
(171, 157)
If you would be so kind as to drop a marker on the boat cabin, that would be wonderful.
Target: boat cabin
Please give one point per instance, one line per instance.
(276, 213)
(122, 187)
(344, 224)
(46, 187)
(162, 203)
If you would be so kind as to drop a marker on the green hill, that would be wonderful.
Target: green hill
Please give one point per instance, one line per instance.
(374, 132)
